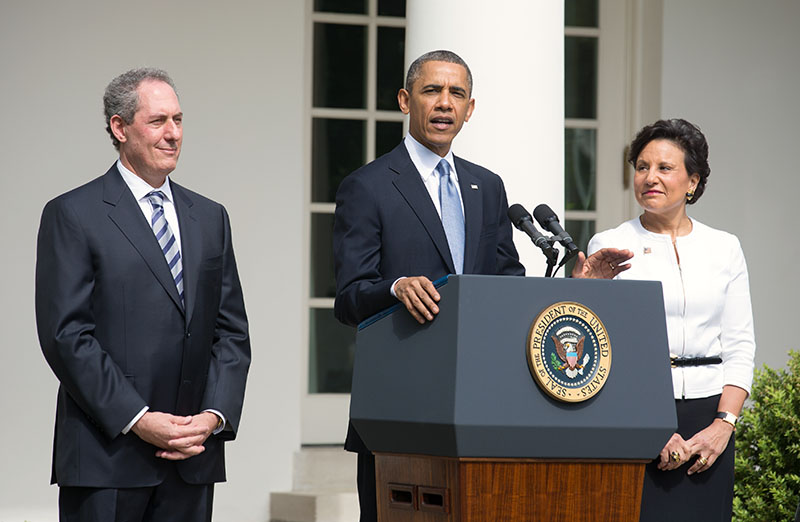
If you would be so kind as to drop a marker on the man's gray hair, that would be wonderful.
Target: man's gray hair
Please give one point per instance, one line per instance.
(415, 70)
(121, 96)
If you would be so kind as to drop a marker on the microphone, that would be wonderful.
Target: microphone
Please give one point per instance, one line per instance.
(548, 220)
(523, 221)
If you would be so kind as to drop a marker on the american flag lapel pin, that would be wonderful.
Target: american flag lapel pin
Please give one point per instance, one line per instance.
(647, 250)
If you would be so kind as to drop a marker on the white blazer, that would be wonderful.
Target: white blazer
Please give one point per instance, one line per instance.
(706, 300)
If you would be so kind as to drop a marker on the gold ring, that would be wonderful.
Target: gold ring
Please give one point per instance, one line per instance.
(675, 456)
(703, 461)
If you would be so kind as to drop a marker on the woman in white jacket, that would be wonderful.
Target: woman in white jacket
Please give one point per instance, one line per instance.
(709, 321)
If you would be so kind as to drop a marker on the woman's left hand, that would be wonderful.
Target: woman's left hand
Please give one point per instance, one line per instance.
(708, 444)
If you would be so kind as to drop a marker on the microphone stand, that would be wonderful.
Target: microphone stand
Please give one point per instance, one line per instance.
(568, 254)
(552, 259)
(551, 255)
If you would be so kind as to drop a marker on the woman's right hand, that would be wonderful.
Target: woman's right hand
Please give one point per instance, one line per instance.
(606, 263)
(678, 445)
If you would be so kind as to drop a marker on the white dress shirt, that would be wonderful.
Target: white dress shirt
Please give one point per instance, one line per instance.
(426, 161)
(140, 189)
(706, 300)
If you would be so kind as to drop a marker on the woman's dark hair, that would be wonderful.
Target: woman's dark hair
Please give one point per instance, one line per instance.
(685, 135)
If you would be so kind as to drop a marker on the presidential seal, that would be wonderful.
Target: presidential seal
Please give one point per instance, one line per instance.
(569, 353)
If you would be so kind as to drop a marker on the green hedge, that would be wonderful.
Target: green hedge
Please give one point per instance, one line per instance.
(768, 447)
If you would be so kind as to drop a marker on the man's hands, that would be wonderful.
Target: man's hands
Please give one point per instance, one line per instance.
(603, 264)
(420, 297)
(177, 437)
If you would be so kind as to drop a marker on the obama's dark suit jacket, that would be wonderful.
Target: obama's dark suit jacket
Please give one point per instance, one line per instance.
(386, 226)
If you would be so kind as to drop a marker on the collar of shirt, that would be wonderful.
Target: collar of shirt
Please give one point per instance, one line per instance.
(140, 189)
(425, 160)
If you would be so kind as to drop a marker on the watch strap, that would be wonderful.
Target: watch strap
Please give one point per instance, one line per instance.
(728, 417)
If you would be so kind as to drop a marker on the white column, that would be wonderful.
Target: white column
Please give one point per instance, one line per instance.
(515, 49)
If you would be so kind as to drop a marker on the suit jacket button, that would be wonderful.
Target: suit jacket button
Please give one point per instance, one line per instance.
(188, 334)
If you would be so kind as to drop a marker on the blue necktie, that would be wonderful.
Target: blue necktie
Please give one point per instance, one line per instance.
(452, 216)
(166, 240)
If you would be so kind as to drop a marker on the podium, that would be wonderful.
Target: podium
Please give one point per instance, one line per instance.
(461, 431)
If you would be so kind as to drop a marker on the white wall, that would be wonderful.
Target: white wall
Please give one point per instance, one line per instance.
(239, 71)
(730, 66)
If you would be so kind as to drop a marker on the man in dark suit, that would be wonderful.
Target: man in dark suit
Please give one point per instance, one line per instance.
(390, 236)
(419, 213)
(141, 317)
(394, 230)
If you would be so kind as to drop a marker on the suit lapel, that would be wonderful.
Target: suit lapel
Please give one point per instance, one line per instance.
(410, 186)
(473, 212)
(127, 215)
(190, 241)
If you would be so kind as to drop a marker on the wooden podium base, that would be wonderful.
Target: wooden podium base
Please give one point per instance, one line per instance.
(437, 489)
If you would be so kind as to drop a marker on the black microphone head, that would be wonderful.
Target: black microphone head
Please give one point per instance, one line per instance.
(549, 221)
(517, 214)
(544, 215)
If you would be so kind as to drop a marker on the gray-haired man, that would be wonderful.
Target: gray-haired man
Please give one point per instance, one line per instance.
(141, 318)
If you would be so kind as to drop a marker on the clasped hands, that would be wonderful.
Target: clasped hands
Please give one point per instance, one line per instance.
(707, 444)
(177, 438)
(420, 296)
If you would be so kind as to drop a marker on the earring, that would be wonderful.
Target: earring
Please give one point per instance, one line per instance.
(689, 195)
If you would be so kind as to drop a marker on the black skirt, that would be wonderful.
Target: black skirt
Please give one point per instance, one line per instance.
(672, 496)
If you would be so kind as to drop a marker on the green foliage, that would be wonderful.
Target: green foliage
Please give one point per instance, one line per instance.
(768, 447)
(554, 361)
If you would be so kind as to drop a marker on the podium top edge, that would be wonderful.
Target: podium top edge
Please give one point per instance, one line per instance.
(389, 311)
(444, 280)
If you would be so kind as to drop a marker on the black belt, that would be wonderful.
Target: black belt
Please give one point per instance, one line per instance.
(679, 362)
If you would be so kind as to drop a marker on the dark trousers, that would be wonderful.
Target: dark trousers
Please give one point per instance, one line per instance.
(172, 500)
(367, 492)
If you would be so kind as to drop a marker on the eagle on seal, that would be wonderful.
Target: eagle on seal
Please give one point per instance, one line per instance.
(569, 352)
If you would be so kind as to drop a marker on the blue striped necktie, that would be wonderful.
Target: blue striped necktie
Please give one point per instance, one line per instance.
(452, 216)
(166, 240)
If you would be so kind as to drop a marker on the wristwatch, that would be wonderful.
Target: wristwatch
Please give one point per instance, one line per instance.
(728, 417)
